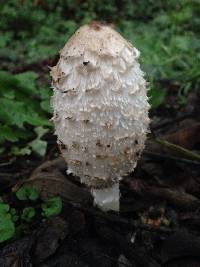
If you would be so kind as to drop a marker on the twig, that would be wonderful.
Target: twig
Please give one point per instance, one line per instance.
(167, 156)
(176, 198)
(186, 153)
(11, 160)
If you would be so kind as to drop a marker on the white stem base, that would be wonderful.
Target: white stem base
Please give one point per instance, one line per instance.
(107, 198)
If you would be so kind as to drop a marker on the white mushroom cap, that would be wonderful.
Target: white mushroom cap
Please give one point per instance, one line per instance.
(100, 105)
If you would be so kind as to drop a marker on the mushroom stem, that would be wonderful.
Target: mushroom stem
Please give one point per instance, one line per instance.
(107, 198)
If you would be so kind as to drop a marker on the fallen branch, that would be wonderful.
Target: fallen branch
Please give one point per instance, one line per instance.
(186, 153)
(174, 197)
(170, 157)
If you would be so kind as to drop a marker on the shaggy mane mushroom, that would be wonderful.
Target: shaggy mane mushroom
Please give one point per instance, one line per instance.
(100, 109)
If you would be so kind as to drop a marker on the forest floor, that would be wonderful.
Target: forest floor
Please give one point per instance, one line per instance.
(159, 219)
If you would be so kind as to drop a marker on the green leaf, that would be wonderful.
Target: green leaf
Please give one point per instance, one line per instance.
(12, 112)
(20, 151)
(17, 113)
(45, 93)
(40, 131)
(45, 105)
(6, 133)
(52, 207)
(157, 97)
(27, 192)
(7, 81)
(21, 107)
(7, 227)
(14, 215)
(12, 135)
(28, 214)
(15, 218)
(39, 146)
(184, 15)
(36, 120)
(13, 211)
(4, 208)
(2, 149)
(182, 42)
(28, 80)
(9, 94)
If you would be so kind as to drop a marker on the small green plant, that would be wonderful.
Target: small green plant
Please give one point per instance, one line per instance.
(15, 216)
(7, 226)
(52, 207)
(24, 113)
(12, 219)
(28, 214)
(156, 96)
(27, 192)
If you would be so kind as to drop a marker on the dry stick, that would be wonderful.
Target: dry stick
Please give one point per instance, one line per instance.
(170, 157)
(186, 153)
(174, 197)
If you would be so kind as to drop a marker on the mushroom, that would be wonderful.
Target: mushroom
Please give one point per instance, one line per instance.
(100, 109)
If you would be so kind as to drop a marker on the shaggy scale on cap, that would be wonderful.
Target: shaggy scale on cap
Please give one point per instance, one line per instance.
(100, 109)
